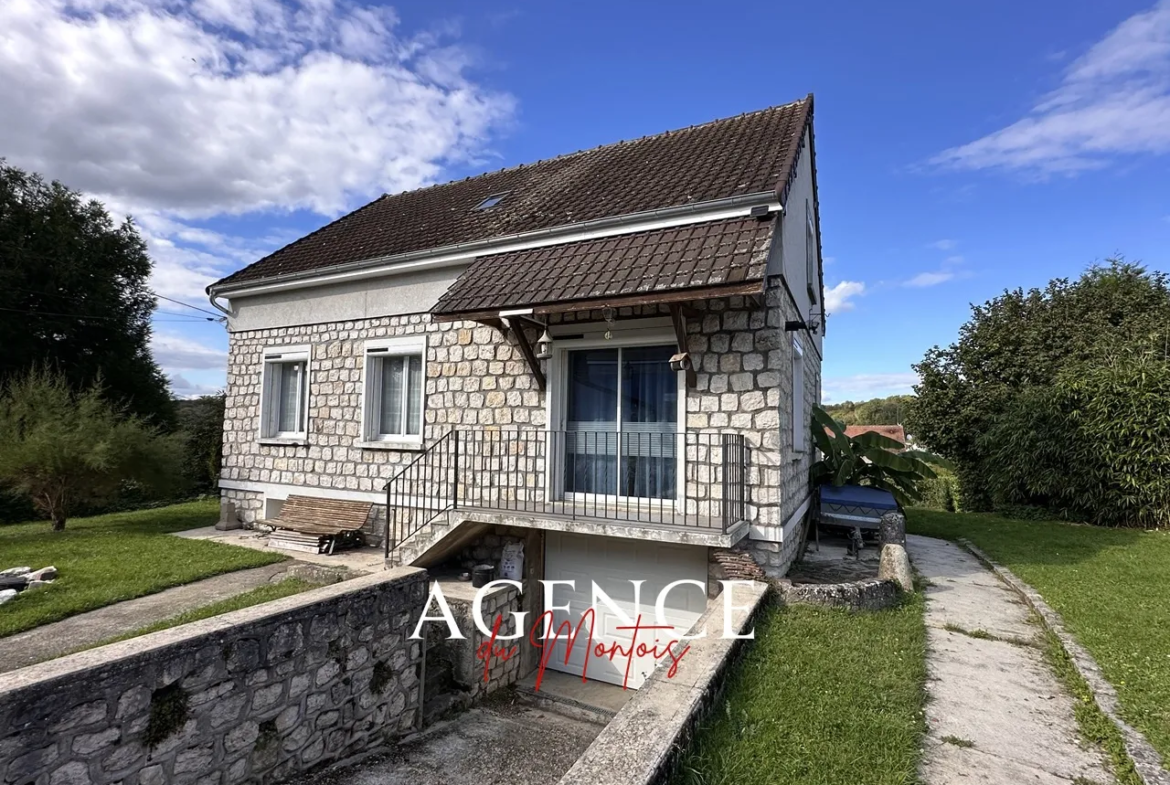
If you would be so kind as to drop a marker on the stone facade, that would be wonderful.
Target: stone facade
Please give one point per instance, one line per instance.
(476, 377)
(252, 696)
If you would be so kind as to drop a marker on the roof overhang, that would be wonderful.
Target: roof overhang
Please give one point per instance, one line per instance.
(464, 253)
(668, 297)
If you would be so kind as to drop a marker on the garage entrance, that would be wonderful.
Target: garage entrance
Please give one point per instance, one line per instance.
(612, 563)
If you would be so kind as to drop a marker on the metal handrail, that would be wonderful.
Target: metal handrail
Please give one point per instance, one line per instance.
(691, 479)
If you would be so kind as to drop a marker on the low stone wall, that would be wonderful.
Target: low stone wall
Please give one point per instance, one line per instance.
(255, 695)
(641, 744)
(873, 594)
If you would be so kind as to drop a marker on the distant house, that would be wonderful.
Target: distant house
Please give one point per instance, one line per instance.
(608, 358)
(895, 432)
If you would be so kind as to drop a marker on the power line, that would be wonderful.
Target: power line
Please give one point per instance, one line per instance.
(180, 302)
(83, 317)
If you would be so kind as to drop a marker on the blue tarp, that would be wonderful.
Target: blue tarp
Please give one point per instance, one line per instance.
(857, 496)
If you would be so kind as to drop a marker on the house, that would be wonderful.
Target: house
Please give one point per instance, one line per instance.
(895, 432)
(606, 360)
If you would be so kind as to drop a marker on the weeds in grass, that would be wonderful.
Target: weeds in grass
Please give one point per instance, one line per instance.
(959, 742)
(1093, 723)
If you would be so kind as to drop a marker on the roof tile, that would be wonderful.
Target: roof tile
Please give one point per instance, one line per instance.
(750, 153)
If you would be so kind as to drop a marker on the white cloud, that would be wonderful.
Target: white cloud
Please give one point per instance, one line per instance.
(864, 386)
(174, 112)
(840, 297)
(923, 280)
(177, 352)
(1113, 100)
(184, 388)
(943, 245)
(950, 269)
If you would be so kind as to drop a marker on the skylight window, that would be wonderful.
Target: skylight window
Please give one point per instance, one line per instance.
(491, 201)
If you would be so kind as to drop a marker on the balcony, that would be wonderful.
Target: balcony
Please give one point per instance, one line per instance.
(695, 481)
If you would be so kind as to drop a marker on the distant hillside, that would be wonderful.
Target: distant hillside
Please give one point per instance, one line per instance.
(877, 411)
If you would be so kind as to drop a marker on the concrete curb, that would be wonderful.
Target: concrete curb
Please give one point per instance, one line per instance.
(1146, 760)
(642, 743)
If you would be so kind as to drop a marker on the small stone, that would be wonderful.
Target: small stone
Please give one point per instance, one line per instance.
(6, 595)
(92, 742)
(152, 775)
(895, 566)
(43, 574)
(16, 571)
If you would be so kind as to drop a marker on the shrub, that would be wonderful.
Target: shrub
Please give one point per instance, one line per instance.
(63, 449)
(1091, 447)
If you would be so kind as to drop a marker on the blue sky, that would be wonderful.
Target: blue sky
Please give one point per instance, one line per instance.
(963, 148)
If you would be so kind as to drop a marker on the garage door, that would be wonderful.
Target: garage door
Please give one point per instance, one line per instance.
(612, 563)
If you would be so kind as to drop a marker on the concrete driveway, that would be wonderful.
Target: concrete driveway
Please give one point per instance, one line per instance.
(492, 744)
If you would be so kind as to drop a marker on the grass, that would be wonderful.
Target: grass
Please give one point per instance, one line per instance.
(261, 594)
(822, 697)
(1110, 587)
(111, 558)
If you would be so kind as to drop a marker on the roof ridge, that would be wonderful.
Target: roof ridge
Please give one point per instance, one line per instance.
(618, 143)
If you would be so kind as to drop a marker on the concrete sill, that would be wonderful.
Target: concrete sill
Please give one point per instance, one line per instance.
(389, 445)
(285, 442)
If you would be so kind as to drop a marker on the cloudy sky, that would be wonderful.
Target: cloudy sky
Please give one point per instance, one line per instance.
(963, 149)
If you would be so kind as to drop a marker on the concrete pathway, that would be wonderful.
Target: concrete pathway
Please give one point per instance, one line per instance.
(85, 629)
(484, 746)
(360, 560)
(995, 713)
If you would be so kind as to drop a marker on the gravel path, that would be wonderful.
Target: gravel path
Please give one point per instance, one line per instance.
(996, 713)
(85, 629)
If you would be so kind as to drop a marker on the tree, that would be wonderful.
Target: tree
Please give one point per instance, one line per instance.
(201, 429)
(62, 449)
(1092, 446)
(891, 410)
(73, 295)
(1018, 344)
(868, 459)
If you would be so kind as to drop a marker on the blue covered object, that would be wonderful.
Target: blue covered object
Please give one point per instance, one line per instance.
(858, 496)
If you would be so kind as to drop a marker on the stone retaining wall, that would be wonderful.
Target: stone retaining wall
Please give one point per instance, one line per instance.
(250, 696)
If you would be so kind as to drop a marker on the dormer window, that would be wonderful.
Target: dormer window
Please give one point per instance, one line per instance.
(491, 201)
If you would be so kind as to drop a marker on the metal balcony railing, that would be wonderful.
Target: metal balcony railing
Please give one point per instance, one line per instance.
(689, 479)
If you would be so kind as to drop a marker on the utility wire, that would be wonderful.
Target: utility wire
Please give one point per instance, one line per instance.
(180, 302)
(83, 317)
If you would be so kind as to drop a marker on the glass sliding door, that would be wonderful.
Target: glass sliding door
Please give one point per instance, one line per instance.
(621, 423)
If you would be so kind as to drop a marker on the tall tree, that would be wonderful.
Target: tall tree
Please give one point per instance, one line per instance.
(73, 295)
(1023, 342)
(891, 410)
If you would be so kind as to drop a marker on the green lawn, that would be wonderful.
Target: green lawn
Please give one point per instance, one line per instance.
(1109, 585)
(822, 697)
(110, 558)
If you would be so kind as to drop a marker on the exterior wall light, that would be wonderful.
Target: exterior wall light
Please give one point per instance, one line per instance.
(544, 346)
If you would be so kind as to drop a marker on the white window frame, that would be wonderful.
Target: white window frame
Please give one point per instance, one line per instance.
(800, 426)
(633, 334)
(372, 352)
(269, 408)
(810, 252)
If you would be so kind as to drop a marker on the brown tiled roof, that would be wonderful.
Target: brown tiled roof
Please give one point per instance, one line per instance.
(895, 432)
(685, 257)
(750, 153)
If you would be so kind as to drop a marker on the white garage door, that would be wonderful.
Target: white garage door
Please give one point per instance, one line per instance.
(612, 563)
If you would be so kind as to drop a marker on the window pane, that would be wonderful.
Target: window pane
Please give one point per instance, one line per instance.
(390, 419)
(591, 444)
(649, 417)
(291, 379)
(414, 396)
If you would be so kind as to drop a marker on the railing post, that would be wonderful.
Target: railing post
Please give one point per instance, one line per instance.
(455, 468)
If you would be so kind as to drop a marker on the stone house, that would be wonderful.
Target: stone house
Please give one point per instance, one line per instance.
(604, 360)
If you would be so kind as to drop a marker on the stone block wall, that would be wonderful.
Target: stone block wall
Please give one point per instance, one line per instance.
(256, 695)
(476, 377)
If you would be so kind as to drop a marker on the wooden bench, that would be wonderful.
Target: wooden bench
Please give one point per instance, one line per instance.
(314, 525)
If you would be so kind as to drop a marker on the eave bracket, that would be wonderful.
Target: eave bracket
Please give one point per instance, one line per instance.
(682, 360)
